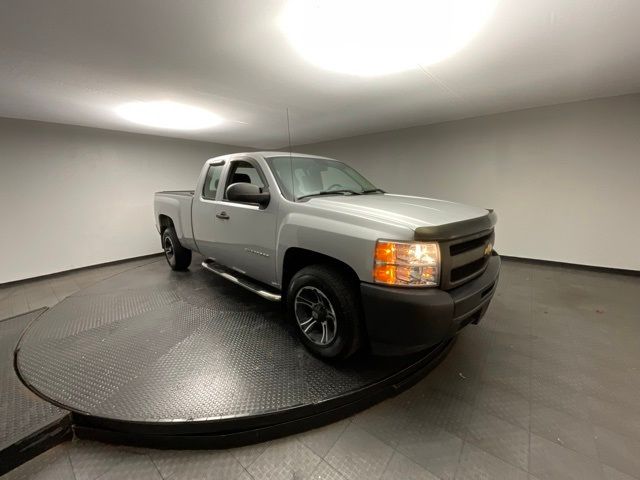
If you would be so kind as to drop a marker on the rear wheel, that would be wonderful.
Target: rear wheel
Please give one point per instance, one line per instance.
(323, 304)
(178, 257)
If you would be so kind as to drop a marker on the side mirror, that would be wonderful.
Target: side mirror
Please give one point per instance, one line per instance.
(248, 193)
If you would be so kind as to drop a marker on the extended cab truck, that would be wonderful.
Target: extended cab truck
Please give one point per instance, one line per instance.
(354, 265)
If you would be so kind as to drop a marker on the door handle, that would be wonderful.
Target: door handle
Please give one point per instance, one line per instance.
(222, 215)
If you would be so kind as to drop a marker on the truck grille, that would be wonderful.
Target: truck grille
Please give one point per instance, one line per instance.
(467, 245)
(464, 258)
(467, 270)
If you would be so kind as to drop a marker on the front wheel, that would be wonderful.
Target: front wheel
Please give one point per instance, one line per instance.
(324, 305)
(178, 257)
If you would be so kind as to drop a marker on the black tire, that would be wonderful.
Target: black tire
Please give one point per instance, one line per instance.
(178, 257)
(344, 299)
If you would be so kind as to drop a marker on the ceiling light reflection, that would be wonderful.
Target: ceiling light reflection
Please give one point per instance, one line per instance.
(377, 37)
(168, 115)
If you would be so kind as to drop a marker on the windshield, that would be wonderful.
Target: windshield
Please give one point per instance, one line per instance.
(309, 176)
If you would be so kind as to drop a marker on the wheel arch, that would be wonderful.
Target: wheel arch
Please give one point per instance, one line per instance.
(296, 258)
(165, 221)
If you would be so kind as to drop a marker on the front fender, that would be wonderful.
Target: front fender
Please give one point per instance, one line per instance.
(349, 242)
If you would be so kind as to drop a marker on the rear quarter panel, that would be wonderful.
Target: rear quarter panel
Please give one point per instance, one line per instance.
(178, 208)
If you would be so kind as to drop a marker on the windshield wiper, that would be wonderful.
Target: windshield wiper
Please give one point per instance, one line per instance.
(374, 190)
(329, 192)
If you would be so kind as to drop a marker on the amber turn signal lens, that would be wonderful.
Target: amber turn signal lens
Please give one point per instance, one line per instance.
(385, 252)
(385, 273)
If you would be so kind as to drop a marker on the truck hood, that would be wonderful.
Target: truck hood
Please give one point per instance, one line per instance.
(401, 210)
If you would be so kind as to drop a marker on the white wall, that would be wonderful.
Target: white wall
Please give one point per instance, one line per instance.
(564, 180)
(73, 196)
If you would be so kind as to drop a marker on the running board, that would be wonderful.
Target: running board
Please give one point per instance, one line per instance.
(245, 282)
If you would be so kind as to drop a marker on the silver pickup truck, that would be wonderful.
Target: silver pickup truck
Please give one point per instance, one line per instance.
(354, 265)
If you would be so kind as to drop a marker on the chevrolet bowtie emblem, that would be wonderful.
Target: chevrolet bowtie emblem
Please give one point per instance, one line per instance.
(488, 249)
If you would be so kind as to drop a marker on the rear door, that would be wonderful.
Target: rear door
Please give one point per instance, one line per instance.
(203, 210)
(246, 232)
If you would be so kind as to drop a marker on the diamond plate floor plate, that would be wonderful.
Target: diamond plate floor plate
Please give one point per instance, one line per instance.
(24, 416)
(152, 347)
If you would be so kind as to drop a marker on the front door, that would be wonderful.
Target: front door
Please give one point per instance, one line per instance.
(245, 232)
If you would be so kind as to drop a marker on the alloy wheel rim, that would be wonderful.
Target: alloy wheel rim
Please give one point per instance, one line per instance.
(168, 248)
(315, 315)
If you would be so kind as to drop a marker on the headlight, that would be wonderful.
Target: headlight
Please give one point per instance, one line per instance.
(410, 264)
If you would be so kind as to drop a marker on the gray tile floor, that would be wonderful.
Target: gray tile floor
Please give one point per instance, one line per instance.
(546, 387)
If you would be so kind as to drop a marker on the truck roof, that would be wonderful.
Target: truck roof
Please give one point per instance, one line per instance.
(268, 154)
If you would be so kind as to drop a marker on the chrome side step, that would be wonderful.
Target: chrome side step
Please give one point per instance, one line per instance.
(255, 287)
